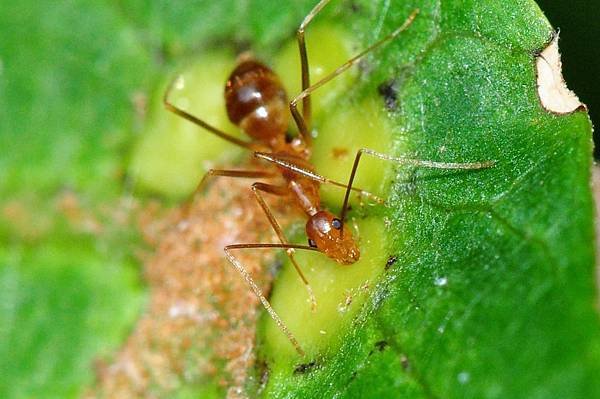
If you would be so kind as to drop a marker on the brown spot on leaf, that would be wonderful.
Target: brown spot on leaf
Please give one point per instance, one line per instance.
(552, 89)
(200, 318)
(339, 152)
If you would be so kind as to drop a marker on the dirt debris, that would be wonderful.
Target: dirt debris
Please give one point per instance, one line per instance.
(199, 324)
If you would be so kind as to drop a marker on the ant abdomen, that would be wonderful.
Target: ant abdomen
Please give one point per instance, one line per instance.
(257, 102)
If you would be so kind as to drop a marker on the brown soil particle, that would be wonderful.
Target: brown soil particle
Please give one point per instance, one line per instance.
(200, 320)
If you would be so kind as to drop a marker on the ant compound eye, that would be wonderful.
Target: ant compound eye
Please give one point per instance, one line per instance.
(336, 223)
(311, 243)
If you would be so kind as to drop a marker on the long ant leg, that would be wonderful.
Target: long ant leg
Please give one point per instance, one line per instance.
(222, 172)
(405, 161)
(282, 191)
(306, 105)
(197, 121)
(283, 162)
(255, 288)
(300, 122)
(229, 173)
(275, 190)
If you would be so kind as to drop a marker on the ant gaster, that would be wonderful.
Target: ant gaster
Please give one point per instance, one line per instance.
(257, 102)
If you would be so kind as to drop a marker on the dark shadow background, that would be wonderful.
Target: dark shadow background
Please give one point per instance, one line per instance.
(579, 24)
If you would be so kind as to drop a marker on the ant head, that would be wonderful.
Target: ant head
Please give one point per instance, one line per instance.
(324, 232)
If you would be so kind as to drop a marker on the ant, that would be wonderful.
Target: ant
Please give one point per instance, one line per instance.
(257, 102)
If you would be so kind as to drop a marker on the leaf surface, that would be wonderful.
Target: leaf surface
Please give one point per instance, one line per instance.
(492, 294)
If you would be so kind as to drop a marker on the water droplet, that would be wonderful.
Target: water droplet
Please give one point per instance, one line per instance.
(441, 329)
(441, 281)
(463, 377)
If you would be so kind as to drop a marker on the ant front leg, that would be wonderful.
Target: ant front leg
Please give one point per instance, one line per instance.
(282, 191)
(405, 161)
(225, 173)
(197, 121)
(268, 188)
(256, 289)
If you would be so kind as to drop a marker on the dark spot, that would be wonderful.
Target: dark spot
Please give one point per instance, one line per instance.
(311, 243)
(353, 376)
(263, 372)
(391, 260)
(381, 345)
(161, 53)
(355, 7)
(336, 223)
(389, 92)
(339, 152)
(305, 367)
(289, 137)
(242, 46)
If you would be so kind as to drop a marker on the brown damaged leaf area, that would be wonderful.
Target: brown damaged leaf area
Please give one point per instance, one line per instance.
(554, 94)
(200, 320)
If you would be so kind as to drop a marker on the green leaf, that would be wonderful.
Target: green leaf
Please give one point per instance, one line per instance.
(492, 292)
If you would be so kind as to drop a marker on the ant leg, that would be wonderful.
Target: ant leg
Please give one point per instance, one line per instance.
(300, 122)
(281, 191)
(268, 188)
(256, 289)
(184, 114)
(405, 161)
(306, 106)
(286, 163)
(227, 173)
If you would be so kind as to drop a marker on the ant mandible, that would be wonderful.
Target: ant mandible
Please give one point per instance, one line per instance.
(257, 102)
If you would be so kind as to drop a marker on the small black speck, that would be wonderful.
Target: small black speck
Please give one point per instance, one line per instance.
(289, 137)
(304, 367)
(390, 94)
(263, 371)
(355, 7)
(381, 345)
(391, 260)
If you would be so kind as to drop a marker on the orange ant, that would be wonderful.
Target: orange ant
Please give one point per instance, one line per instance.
(257, 102)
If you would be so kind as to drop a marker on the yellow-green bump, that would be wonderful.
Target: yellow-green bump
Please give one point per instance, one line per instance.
(173, 154)
(340, 291)
(343, 127)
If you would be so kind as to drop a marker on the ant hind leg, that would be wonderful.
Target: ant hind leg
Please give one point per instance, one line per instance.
(306, 104)
(306, 92)
(197, 121)
(256, 289)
